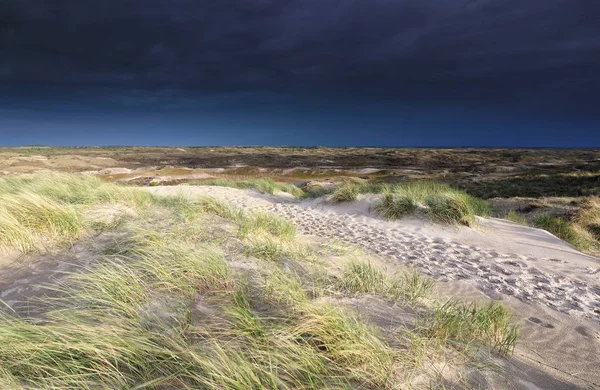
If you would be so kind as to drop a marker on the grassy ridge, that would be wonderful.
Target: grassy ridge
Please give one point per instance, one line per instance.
(187, 296)
(264, 185)
(441, 202)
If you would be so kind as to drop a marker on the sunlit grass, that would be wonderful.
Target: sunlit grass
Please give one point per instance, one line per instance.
(440, 201)
(565, 230)
(44, 210)
(264, 185)
(466, 324)
(350, 345)
(174, 300)
(395, 206)
(364, 277)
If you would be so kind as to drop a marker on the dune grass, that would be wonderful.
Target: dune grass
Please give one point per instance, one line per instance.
(580, 229)
(44, 210)
(573, 233)
(394, 207)
(346, 193)
(514, 216)
(364, 277)
(465, 325)
(264, 185)
(260, 222)
(440, 201)
(184, 297)
(353, 347)
(586, 224)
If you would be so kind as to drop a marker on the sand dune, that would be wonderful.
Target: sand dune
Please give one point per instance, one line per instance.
(553, 289)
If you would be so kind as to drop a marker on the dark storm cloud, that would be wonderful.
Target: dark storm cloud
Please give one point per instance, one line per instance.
(394, 49)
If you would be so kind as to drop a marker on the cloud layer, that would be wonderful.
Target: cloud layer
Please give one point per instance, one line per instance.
(467, 50)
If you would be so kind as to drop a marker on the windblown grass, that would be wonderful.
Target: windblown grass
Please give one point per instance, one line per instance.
(395, 206)
(587, 224)
(580, 228)
(450, 208)
(351, 346)
(268, 247)
(163, 307)
(260, 222)
(29, 219)
(364, 277)
(73, 189)
(264, 185)
(280, 288)
(440, 201)
(466, 324)
(346, 193)
(48, 209)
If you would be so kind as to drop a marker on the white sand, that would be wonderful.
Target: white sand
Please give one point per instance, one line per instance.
(553, 288)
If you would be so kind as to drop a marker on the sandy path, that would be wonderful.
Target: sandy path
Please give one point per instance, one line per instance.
(553, 289)
(559, 278)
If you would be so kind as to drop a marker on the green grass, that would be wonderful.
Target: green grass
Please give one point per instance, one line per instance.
(317, 191)
(572, 233)
(350, 346)
(450, 208)
(580, 229)
(271, 248)
(514, 216)
(360, 277)
(364, 277)
(187, 209)
(73, 189)
(586, 224)
(346, 193)
(260, 222)
(441, 202)
(464, 325)
(280, 288)
(197, 294)
(28, 220)
(394, 207)
(265, 247)
(264, 185)
(41, 211)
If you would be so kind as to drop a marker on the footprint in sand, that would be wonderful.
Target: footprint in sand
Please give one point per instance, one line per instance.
(541, 323)
(582, 330)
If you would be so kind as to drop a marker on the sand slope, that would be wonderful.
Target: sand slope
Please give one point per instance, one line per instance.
(553, 288)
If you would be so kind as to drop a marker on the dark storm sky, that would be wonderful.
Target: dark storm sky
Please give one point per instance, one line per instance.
(303, 72)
